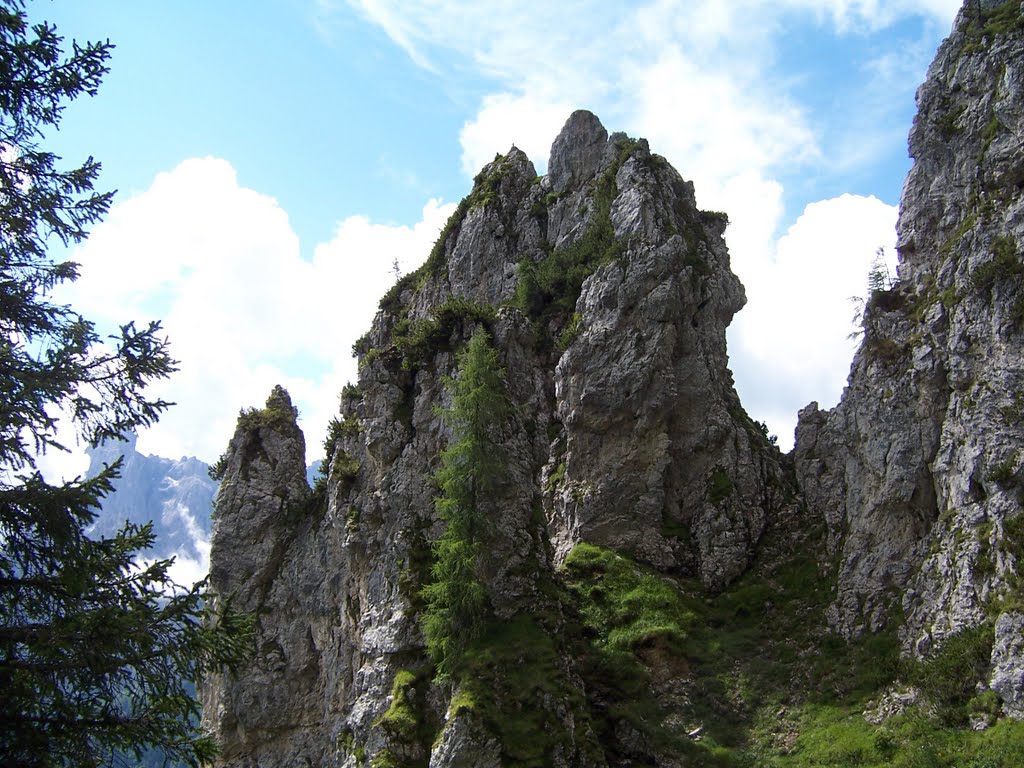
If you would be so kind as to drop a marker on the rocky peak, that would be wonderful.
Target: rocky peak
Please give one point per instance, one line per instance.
(260, 509)
(263, 485)
(606, 294)
(578, 152)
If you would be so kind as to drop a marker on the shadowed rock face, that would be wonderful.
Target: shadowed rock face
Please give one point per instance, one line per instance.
(917, 470)
(578, 153)
(643, 393)
(258, 519)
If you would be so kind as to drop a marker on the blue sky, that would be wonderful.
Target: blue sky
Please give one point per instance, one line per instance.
(275, 157)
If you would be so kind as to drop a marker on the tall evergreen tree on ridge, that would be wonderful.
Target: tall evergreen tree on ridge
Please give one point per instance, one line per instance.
(96, 648)
(471, 469)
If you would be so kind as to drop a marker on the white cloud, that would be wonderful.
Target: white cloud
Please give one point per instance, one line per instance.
(790, 344)
(505, 119)
(186, 571)
(190, 566)
(221, 266)
(63, 466)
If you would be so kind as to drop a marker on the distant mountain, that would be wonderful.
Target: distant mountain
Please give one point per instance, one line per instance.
(313, 472)
(177, 495)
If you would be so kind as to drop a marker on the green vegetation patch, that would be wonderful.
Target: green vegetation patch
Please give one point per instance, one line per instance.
(837, 737)
(273, 417)
(550, 287)
(989, 133)
(888, 351)
(769, 685)
(1005, 265)
(512, 678)
(407, 723)
(720, 486)
(830, 729)
(950, 677)
(623, 605)
(416, 343)
(1013, 534)
(1004, 473)
(485, 185)
(339, 429)
(555, 478)
(626, 613)
(949, 124)
(852, 671)
(965, 226)
(991, 24)
(338, 464)
(1002, 19)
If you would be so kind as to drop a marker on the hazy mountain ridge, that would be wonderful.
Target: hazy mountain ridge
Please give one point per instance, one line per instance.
(176, 495)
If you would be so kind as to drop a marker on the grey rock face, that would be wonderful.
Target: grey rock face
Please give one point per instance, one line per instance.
(656, 441)
(578, 152)
(497, 234)
(626, 432)
(1008, 663)
(917, 471)
(260, 503)
(465, 744)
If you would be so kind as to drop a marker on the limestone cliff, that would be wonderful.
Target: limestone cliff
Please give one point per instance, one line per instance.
(918, 468)
(660, 586)
(607, 293)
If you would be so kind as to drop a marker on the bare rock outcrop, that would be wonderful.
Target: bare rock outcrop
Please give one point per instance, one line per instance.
(631, 487)
(918, 469)
(607, 295)
(660, 460)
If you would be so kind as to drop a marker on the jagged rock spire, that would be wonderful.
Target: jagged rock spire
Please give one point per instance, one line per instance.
(578, 151)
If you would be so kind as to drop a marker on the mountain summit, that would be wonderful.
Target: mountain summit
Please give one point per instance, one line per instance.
(549, 534)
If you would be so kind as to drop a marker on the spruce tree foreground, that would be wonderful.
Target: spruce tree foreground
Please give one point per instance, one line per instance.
(97, 647)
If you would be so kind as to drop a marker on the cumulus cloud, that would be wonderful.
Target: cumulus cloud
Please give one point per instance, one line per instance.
(220, 265)
(504, 120)
(791, 343)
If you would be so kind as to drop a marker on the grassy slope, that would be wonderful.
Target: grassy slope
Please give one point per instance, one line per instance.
(764, 682)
